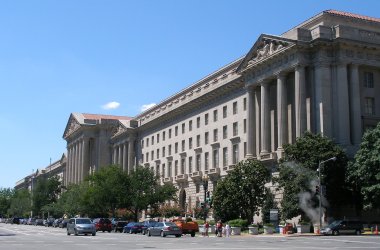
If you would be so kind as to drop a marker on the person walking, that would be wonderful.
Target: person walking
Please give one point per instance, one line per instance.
(219, 228)
(227, 230)
(206, 226)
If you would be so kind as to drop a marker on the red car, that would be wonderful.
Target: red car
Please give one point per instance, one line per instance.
(103, 224)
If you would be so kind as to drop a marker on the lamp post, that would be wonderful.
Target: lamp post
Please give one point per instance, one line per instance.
(320, 189)
(205, 187)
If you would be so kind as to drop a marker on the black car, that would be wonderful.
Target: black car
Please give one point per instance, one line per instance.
(56, 222)
(120, 225)
(63, 223)
(49, 222)
(39, 222)
(343, 227)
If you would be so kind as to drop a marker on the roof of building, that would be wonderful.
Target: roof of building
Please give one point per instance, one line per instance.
(352, 15)
(111, 117)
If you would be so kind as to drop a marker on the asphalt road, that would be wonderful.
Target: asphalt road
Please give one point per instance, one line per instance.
(43, 238)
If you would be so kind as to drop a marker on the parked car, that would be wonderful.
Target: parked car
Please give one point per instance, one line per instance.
(343, 227)
(147, 224)
(120, 226)
(102, 224)
(78, 226)
(133, 227)
(56, 222)
(31, 221)
(187, 227)
(39, 222)
(164, 228)
(49, 222)
(15, 220)
(63, 223)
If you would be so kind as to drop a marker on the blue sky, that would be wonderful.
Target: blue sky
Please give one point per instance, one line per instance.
(58, 57)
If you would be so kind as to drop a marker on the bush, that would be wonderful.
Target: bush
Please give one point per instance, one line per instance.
(238, 223)
(189, 219)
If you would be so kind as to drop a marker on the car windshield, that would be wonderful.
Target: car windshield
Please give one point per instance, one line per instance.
(83, 221)
(151, 223)
(170, 224)
(334, 223)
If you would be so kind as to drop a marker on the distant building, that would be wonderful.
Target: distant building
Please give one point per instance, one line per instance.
(322, 76)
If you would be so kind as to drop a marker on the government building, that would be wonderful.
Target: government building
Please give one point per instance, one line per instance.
(322, 75)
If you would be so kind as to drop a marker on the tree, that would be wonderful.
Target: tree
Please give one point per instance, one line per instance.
(298, 172)
(46, 191)
(269, 203)
(73, 200)
(20, 204)
(6, 195)
(241, 192)
(364, 172)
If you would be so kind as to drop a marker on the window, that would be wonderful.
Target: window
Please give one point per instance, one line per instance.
(206, 138)
(142, 143)
(170, 150)
(147, 156)
(152, 139)
(235, 129)
(163, 135)
(215, 158)
(190, 125)
(170, 168)
(224, 111)
(369, 106)
(190, 143)
(176, 131)
(175, 168)
(206, 119)
(170, 133)
(142, 158)
(245, 103)
(368, 79)
(225, 132)
(245, 125)
(198, 162)
(158, 138)
(183, 145)
(198, 141)
(190, 164)
(163, 152)
(245, 148)
(147, 142)
(183, 128)
(235, 153)
(198, 122)
(158, 153)
(225, 157)
(206, 160)
(215, 115)
(176, 148)
(157, 169)
(183, 165)
(163, 171)
(152, 155)
(215, 135)
(234, 108)
(197, 188)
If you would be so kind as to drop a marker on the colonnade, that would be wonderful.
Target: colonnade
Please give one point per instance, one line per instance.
(124, 155)
(77, 160)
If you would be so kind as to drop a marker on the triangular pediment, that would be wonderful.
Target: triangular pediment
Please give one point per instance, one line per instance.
(72, 126)
(265, 46)
(119, 129)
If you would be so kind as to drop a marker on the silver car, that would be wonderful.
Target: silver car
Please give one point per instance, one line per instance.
(81, 226)
(163, 229)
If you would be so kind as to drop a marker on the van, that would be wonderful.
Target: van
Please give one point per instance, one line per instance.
(343, 227)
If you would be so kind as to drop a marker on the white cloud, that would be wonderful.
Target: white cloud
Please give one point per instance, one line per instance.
(111, 105)
(147, 106)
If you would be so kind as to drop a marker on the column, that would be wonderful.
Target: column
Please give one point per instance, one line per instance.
(120, 155)
(74, 162)
(125, 157)
(77, 161)
(281, 111)
(131, 153)
(265, 118)
(251, 132)
(355, 111)
(257, 120)
(85, 158)
(343, 104)
(300, 100)
(323, 106)
(68, 165)
(80, 161)
(114, 155)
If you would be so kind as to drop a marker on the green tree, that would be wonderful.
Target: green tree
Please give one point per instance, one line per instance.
(241, 192)
(73, 200)
(45, 191)
(298, 171)
(269, 203)
(364, 172)
(6, 195)
(20, 205)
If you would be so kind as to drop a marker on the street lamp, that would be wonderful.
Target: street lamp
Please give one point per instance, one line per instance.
(320, 189)
(205, 187)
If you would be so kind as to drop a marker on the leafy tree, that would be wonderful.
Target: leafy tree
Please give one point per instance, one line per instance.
(298, 170)
(20, 204)
(46, 191)
(6, 195)
(241, 192)
(72, 201)
(269, 203)
(364, 172)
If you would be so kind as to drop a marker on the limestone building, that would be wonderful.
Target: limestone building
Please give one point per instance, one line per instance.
(323, 76)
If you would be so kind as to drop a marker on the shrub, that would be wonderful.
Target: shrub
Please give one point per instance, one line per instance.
(238, 223)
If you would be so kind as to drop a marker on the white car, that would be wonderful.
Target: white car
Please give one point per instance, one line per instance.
(78, 226)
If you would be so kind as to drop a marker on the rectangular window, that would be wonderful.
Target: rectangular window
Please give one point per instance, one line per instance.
(235, 153)
(152, 139)
(183, 165)
(158, 138)
(170, 172)
(224, 111)
(176, 131)
(191, 125)
(198, 162)
(245, 103)
(163, 151)
(235, 129)
(206, 119)
(152, 155)
(369, 106)
(225, 157)
(142, 143)
(215, 158)
(175, 168)
(190, 143)
(170, 133)
(245, 148)
(163, 135)
(183, 128)
(234, 108)
(190, 164)
(215, 135)
(158, 153)
(147, 156)
(170, 150)
(225, 134)
(215, 115)
(163, 171)
(368, 79)
(198, 122)
(176, 148)
(147, 142)
(206, 138)
(142, 158)
(157, 169)
(206, 160)
(198, 141)
(183, 145)
(245, 125)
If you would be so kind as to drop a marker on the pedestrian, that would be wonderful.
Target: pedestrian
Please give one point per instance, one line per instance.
(219, 228)
(206, 226)
(227, 230)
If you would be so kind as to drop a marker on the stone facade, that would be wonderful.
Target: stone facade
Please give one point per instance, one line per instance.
(321, 76)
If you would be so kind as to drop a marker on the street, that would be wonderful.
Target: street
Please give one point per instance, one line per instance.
(38, 237)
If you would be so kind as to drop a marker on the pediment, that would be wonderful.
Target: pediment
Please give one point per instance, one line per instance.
(266, 46)
(72, 126)
(119, 129)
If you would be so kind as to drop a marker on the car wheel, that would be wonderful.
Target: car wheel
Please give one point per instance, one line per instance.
(149, 234)
(358, 232)
(177, 235)
(336, 232)
(93, 234)
(143, 232)
(192, 234)
(68, 233)
(109, 231)
(130, 231)
(163, 234)
(75, 232)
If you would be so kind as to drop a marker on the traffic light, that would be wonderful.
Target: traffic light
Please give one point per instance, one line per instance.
(317, 190)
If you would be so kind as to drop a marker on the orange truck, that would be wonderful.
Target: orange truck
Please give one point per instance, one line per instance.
(190, 227)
